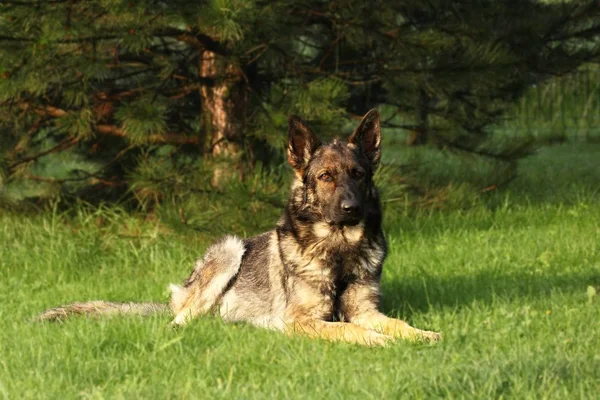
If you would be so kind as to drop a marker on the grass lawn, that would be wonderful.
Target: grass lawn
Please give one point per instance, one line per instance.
(509, 282)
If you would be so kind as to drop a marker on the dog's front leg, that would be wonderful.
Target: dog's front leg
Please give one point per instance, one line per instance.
(359, 306)
(394, 327)
(338, 331)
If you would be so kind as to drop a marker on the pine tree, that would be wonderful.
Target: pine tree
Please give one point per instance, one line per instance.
(99, 98)
(452, 68)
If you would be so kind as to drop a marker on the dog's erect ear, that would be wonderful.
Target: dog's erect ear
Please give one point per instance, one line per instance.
(368, 137)
(302, 143)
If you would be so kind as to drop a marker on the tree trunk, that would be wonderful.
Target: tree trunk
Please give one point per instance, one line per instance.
(420, 135)
(224, 104)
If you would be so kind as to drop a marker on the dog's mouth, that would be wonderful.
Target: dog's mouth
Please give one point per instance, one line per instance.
(342, 223)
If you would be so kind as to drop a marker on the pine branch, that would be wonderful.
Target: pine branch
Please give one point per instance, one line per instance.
(15, 39)
(165, 138)
(87, 175)
(60, 41)
(197, 40)
(583, 34)
(408, 127)
(36, 3)
(113, 130)
(561, 23)
(44, 110)
(63, 145)
(96, 179)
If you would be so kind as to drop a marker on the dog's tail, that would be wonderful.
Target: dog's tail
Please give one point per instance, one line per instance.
(211, 277)
(98, 308)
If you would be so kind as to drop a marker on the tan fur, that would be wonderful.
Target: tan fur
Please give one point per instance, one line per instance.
(351, 234)
(378, 322)
(338, 331)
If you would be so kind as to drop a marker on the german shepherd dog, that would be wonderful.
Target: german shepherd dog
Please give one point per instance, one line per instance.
(317, 273)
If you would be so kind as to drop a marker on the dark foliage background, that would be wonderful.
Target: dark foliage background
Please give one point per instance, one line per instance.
(154, 102)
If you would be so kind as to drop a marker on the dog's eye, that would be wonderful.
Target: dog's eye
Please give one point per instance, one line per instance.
(325, 177)
(357, 173)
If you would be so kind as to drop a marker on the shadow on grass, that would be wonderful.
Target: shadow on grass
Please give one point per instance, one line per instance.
(419, 294)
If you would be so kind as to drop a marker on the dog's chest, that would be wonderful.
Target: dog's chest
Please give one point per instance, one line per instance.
(320, 266)
(321, 280)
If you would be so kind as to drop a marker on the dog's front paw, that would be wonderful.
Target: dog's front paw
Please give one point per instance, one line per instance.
(429, 336)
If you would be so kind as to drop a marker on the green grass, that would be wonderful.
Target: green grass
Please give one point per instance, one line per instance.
(506, 281)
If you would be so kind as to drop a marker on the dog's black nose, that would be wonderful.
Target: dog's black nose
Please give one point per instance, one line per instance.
(349, 206)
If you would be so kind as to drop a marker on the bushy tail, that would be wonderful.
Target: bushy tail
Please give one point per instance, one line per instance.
(97, 308)
(201, 292)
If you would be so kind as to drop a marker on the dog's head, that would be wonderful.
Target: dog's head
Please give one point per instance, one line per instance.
(337, 177)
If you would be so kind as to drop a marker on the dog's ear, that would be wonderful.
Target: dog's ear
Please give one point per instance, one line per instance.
(368, 137)
(302, 143)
